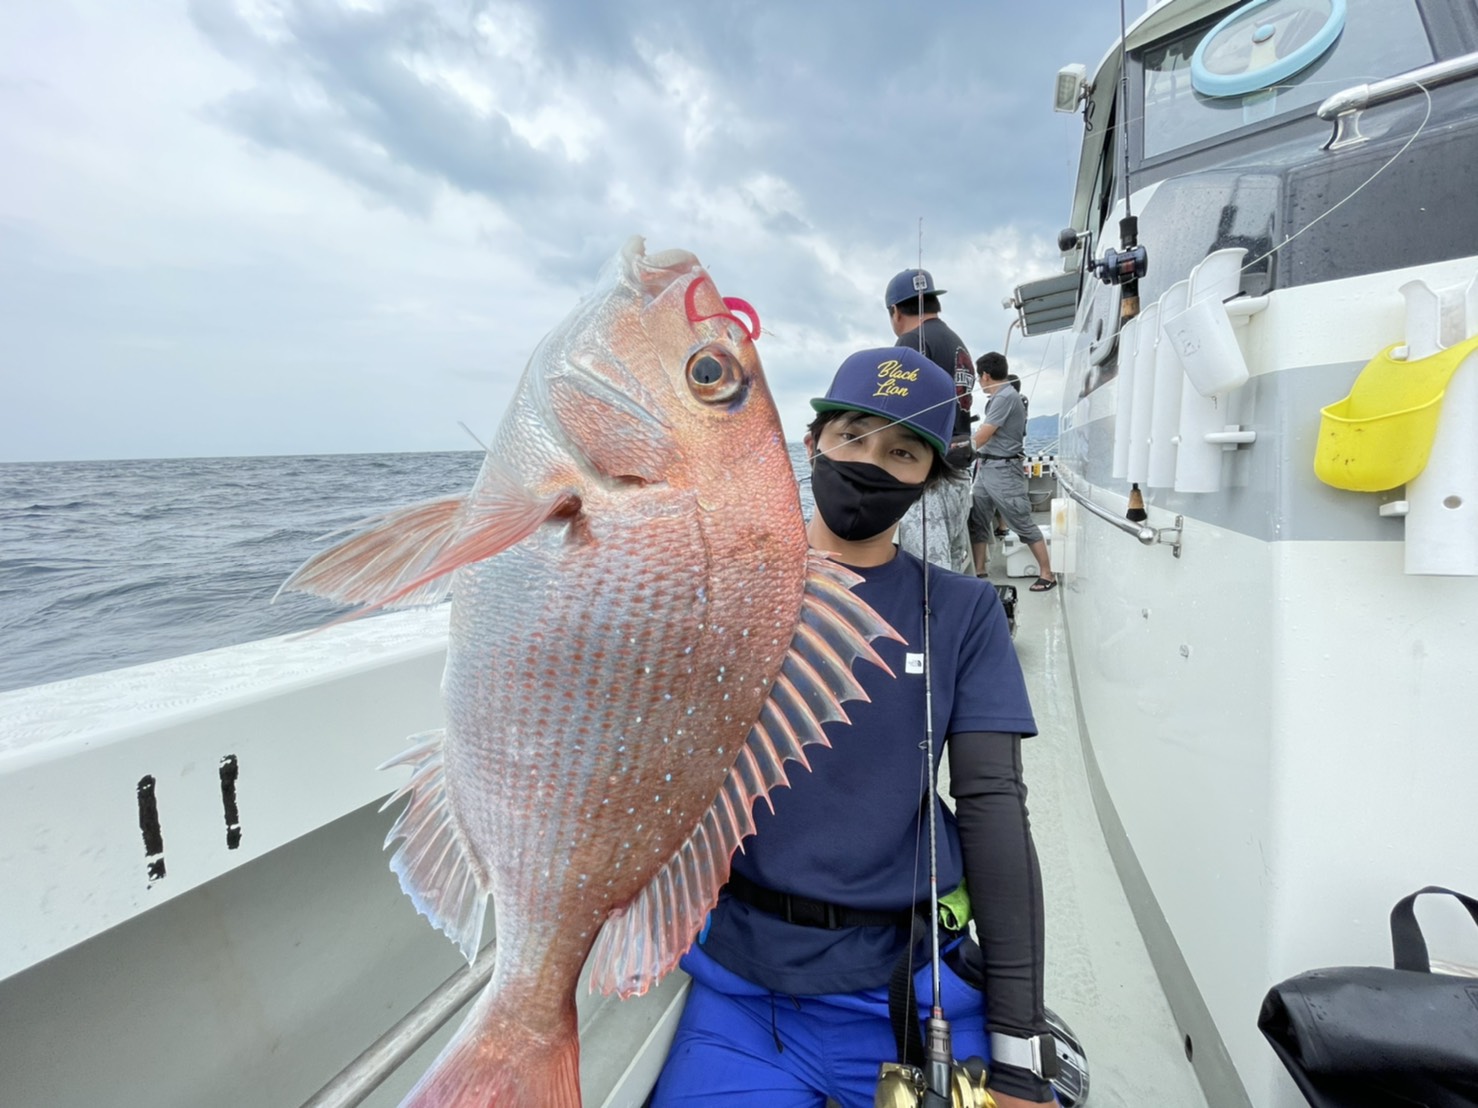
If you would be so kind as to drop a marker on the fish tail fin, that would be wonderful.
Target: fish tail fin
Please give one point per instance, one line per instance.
(498, 1061)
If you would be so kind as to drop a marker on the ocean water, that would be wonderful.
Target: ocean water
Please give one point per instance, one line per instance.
(111, 564)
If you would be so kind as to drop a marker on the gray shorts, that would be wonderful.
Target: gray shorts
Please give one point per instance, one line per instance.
(1000, 486)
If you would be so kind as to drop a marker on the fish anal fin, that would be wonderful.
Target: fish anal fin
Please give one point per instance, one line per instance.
(637, 946)
(406, 556)
(435, 869)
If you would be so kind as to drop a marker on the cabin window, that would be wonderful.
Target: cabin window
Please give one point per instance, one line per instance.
(1106, 183)
(1380, 38)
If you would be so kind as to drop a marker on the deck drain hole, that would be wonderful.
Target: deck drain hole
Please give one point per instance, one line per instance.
(1188, 1049)
(1453, 502)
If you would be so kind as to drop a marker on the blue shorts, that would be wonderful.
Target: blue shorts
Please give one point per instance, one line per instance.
(740, 1044)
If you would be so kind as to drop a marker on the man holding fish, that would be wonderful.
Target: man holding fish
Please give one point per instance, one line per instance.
(790, 995)
(646, 642)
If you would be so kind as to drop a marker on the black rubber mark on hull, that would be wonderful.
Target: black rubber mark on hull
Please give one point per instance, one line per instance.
(229, 773)
(149, 825)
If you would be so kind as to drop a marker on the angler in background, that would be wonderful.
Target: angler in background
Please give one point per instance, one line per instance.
(913, 311)
(1000, 524)
(1000, 482)
(790, 992)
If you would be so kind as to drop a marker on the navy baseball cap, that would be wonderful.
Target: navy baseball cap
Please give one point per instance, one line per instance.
(909, 284)
(899, 384)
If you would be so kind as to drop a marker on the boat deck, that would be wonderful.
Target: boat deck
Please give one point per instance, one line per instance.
(286, 962)
(1099, 976)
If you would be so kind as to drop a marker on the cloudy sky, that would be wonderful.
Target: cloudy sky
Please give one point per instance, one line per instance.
(235, 227)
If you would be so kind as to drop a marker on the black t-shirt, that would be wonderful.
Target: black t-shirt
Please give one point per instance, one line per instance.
(937, 341)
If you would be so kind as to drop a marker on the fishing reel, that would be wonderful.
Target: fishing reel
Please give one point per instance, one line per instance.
(1119, 267)
(904, 1086)
(1127, 264)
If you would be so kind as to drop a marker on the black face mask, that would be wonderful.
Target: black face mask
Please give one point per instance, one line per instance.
(858, 500)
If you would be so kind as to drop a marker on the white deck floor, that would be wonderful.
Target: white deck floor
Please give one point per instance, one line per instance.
(1099, 976)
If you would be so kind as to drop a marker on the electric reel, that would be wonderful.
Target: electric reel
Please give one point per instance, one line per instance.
(904, 1086)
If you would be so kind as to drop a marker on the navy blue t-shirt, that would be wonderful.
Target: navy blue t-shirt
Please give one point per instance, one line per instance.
(854, 830)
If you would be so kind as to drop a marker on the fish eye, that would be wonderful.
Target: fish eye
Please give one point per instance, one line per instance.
(714, 375)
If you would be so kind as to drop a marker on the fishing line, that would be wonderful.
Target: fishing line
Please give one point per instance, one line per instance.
(1325, 214)
(1041, 367)
(816, 448)
(938, 1050)
(1126, 121)
(472, 436)
(1139, 120)
(936, 1011)
(888, 424)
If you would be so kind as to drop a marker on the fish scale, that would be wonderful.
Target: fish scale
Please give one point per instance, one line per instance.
(648, 733)
(640, 643)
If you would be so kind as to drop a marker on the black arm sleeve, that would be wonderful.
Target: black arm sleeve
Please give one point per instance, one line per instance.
(1005, 889)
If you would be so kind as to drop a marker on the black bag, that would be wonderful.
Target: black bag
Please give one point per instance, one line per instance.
(1365, 1037)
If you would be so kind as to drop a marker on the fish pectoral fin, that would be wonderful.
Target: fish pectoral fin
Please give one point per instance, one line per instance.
(405, 558)
(637, 947)
(434, 866)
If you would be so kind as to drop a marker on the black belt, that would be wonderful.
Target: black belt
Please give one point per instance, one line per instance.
(1003, 457)
(806, 912)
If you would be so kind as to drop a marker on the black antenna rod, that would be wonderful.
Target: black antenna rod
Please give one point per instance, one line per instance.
(1124, 105)
(1126, 265)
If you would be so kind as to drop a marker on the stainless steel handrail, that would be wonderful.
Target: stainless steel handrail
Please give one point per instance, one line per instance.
(1149, 536)
(1143, 533)
(384, 1056)
(1359, 97)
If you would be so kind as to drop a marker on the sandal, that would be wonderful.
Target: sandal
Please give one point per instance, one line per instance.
(1042, 584)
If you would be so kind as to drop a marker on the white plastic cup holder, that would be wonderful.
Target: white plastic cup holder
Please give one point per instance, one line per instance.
(1203, 338)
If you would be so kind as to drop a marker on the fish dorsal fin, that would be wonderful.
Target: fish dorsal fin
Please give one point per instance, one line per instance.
(406, 557)
(637, 946)
(434, 867)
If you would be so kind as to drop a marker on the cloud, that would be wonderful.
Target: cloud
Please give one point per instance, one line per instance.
(314, 222)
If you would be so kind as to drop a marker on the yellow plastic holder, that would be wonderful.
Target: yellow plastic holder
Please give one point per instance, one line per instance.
(1380, 436)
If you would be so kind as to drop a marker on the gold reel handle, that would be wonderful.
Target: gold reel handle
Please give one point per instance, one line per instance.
(901, 1086)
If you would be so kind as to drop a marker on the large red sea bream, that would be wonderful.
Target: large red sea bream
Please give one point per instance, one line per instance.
(640, 639)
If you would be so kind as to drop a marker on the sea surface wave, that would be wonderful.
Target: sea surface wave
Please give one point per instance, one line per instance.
(112, 564)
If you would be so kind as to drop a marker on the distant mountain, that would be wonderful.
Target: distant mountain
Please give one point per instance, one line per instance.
(1041, 433)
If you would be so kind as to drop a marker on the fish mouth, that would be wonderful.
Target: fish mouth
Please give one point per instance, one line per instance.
(655, 273)
(608, 381)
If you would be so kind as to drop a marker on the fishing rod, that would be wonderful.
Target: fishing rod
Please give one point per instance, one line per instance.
(1125, 266)
(943, 1083)
(938, 1045)
(939, 1055)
